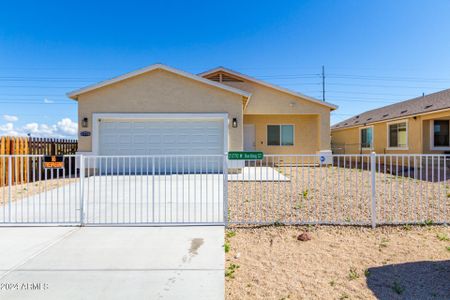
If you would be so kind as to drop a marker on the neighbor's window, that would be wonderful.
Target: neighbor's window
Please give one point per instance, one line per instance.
(397, 135)
(280, 135)
(367, 137)
(441, 133)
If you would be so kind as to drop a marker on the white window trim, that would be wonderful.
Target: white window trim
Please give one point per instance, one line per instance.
(388, 133)
(432, 147)
(267, 135)
(97, 116)
(371, 142)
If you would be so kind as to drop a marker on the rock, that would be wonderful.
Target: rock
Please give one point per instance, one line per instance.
(304, 237)
(237, 255)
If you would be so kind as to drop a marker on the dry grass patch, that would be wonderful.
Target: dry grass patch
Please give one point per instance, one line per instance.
(339, 263)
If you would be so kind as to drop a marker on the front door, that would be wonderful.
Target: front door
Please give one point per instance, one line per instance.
(249, 137)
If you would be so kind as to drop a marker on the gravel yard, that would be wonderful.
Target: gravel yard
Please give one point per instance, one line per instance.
(21, 191)
(339, 196)
(339, 262)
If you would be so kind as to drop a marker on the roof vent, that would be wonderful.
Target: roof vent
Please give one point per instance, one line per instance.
(357, 117)
(369, 119)
(403, 111)
(345, 123)
(428, 106)
(356, 122)
(384, 116)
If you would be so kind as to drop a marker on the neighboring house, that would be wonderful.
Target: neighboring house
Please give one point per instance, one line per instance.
(161, 110)
(419, 125)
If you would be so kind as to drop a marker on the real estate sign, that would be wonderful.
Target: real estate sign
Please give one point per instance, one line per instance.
(240, 155)
(53, 162)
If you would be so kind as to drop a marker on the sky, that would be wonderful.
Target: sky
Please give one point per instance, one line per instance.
(374, 52)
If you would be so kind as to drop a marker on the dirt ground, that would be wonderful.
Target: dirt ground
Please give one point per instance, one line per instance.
(25, 190)
(338, 263)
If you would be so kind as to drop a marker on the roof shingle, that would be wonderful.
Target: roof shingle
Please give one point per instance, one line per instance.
(432, 102)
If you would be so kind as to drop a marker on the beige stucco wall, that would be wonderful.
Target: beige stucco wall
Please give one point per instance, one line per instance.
(157, 92)
(306, 133)
(418, 136)
(268, 101)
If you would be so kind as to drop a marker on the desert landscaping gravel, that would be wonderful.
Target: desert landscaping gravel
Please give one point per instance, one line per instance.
(339, 262)
(338, 196)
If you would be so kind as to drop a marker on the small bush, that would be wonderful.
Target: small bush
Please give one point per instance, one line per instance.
(397, 288)
(353, 274)
(229, 272)
(227, 247)
(442, 237)
(230, 234)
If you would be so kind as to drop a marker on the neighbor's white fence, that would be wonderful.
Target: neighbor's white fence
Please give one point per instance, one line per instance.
(169, 190)
(349, 189)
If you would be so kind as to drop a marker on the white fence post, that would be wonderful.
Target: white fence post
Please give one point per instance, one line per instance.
(225, 189)
(373, 187)
(82, 220)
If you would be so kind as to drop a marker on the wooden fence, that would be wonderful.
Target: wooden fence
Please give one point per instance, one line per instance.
(22, 167)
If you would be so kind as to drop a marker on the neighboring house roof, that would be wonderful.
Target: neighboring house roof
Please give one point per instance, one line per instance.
(74, 94)
(416, 106)
(276, 87)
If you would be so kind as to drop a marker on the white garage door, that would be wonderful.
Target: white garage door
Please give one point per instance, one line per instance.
(163, 137)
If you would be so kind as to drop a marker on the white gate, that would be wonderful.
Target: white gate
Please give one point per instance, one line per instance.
(156, 190)
(113, 190)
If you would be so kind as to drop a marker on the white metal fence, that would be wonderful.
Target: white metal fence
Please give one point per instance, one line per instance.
(167, 190)
(344, 189)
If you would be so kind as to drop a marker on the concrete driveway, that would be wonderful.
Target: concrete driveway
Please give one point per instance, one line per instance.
(112, 263)
(132, 199)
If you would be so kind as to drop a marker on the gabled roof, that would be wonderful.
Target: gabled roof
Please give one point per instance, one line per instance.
(74, 94)
(416, 106)
(276, 87)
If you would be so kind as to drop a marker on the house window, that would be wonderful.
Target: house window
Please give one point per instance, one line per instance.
(280, 135)
(441, 133)
(398, 135)
(367, 137)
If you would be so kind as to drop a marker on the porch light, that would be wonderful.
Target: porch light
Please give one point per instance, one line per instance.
(234, 124)
(84, 122)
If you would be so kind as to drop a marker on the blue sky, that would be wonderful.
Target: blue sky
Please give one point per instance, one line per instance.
(374, 52)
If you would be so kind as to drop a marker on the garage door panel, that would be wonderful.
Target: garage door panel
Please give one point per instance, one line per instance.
(164, 137)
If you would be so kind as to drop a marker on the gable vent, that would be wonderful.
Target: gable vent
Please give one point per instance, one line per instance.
(214, 78)
(223, 78)
(226, 78)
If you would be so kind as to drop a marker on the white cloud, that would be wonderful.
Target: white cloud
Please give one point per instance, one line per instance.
(10, 118)
(48, 101)
(65, 128)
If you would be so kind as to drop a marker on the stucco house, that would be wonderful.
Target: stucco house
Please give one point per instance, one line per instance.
(415, 126)
(162, 110)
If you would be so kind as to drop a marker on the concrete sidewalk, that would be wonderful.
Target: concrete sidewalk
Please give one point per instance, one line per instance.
(112, 263)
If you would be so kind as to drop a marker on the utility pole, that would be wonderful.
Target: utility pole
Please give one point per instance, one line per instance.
(323, 83)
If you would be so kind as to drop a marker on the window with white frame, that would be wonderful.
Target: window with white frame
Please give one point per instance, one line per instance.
(366, 138)
(441, 133)
(280, 135)
(398, 135)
